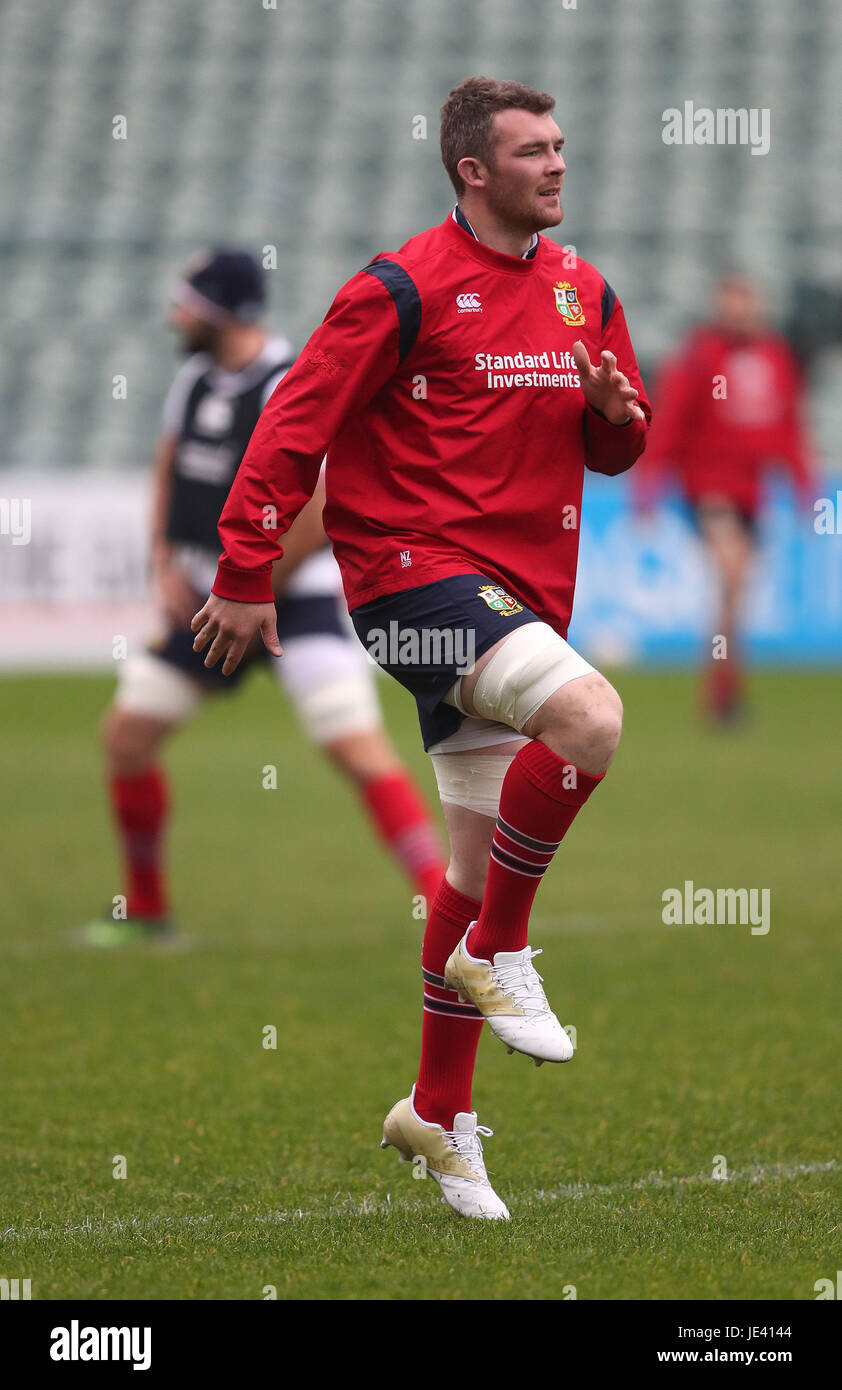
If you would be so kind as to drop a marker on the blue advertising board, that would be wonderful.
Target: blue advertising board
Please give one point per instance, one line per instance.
(645, 592)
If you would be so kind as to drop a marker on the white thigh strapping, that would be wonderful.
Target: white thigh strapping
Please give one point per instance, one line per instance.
(147, 685)
(473, 734)
(473, 780)
(531, 665)
(330, 681)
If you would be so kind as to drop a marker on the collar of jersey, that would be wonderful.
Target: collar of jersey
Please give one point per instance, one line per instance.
(462, 232)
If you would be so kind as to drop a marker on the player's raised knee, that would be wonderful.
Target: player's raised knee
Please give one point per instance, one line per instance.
(524, 673)
(583, 721)
(603, 722)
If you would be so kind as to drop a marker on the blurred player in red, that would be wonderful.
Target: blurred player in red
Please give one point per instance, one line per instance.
(233, 365)
(460, 387)
(729, 407)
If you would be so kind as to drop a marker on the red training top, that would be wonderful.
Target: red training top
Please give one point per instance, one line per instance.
(729, 406)
(442, 387)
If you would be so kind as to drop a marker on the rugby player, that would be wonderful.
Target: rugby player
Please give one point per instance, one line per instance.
(234, 364)
(460, 387)
(730, 405)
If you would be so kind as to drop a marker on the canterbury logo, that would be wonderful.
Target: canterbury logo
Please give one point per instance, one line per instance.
(469, 303)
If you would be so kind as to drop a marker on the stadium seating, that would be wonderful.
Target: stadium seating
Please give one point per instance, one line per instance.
(292, 128)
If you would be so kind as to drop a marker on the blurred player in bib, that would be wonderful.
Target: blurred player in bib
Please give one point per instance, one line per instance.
(730, 406)
(233, 366)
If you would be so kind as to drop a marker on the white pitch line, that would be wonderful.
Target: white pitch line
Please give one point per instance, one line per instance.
(376, 1205)
(757, 1172)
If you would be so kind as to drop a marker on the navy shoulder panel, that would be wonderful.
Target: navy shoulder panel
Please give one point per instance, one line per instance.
(609, 299)
(405, 298)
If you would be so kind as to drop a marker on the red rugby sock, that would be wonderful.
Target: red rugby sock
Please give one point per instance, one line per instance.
(406, 825)
(141, 803)
(723, 686)
(540, 798)
(450, 1030)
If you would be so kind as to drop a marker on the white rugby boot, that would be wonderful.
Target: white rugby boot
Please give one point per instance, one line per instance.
(509, 994)
(451, 1157)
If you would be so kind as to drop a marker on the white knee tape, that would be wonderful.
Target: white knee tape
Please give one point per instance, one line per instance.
(147, 685)
(472, 780)
(532, 664)
(477, 736)
(336, 710)
(452, 696)
(330, 681)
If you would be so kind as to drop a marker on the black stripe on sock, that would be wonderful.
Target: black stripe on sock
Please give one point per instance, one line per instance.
(509, 862)
(539, 846)
(458, 1010)
(434, 979)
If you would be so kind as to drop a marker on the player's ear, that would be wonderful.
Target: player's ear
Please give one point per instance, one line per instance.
(472, 172)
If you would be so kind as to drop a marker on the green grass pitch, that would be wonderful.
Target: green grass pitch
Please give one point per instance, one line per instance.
(249, 1168)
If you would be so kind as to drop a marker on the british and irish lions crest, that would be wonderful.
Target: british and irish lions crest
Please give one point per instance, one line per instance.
(499, 601)
(567, 303)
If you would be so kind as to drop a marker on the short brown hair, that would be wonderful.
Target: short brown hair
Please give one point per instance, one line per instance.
(467, 115)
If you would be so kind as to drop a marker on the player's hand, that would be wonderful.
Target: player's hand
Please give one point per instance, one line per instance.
(229, 627)
(606, 388)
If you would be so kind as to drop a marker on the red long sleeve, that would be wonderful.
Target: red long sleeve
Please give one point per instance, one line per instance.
(344, 364)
